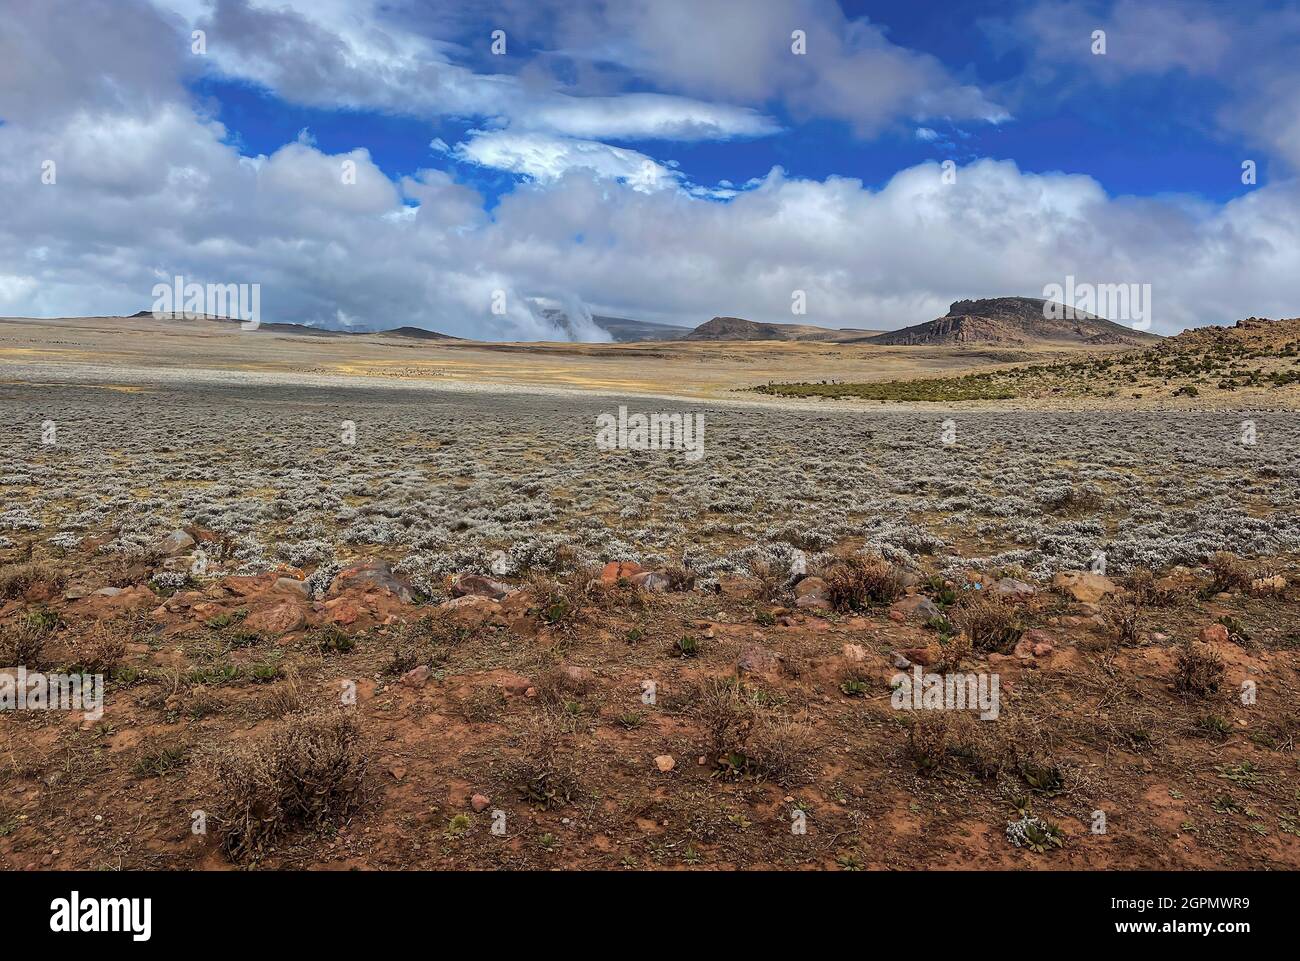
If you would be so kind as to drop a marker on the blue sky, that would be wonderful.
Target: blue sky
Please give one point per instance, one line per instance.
(662, 159)
(1145, 135)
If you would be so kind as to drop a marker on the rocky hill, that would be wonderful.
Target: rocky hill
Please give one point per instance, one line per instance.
(737, 328)
(1012, 320)
(1252, 333)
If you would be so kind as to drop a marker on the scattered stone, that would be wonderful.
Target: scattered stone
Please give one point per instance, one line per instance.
(811, 586)
(855, 652)
(651, 581)
(1265, 586)
(901, 662)
(615, 571)
(758, 660)
(480, 586)
(925, 656)
(416, 676)
(276, 620)
(665, 763)
(177, 542)
(915, 605)
(1084, 587)
(375, 575)
(1011, 586)
(289, 585)
(1215, 634)
(480, 802)
(341, 611)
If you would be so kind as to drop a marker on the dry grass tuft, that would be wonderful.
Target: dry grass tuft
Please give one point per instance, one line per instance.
(783, 750)
(1198, 670)
(726, 715)
(560, 683)
(1126, 620)
(17, 579)
(992, 623)
(563, 604)
(855, 582)
(1230, 572)
(23, 645)
(544, 773)
(1147, 590)
(928, 739)
(308, 773)
(99, 651)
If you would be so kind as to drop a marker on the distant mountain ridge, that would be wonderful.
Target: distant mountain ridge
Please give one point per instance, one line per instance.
(1008, 321)
(994, 321)
(623, 330)
(740, 329)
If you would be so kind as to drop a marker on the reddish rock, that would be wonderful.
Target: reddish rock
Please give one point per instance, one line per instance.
(370, 575)
(1215, 634)
(480, 802)
(416, 676)
(290, 585)
(341, 611)
(477, 585)
(915, 605)
(244, 585)
(925, 656)
(1085, 587)
(758, 660)
(814, 586)
(651, 581)
(515, 684)
(275, 620)
(615, 571)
